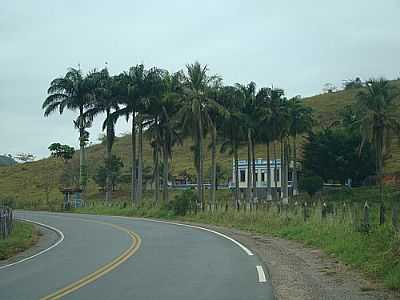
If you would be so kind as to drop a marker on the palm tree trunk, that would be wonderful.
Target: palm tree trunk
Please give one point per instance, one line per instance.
(165, 173)
(201, 191)
(108, 160)
(255, 175)
(379, 153)
(294, 179)
(275, 174)
(249, 176)
(213, 164)
(285, 194)
(157, 172)
(269, 194)
(82, 142)
(237, 190)
(133, 158)
(139, 188)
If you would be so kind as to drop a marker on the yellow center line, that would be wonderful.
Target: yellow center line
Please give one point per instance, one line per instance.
(136, 241)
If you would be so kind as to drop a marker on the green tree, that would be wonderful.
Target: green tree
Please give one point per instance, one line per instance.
(102, 172)
(64, 152)
(131, 98)
(311, 184)
(301, 121)
(248, 98)
(74, 92)
(232, 131)
(378, 115)
(195, 114)
(163, 127)
(333, 155)
(106, 101)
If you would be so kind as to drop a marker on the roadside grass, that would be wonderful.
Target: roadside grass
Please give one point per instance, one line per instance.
(376, 253)
(23, 236)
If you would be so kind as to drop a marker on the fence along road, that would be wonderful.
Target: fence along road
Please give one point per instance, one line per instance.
(172, 262)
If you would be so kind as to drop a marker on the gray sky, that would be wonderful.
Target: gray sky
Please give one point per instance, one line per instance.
(296, 45)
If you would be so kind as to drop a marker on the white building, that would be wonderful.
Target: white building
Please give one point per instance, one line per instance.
(261, 175)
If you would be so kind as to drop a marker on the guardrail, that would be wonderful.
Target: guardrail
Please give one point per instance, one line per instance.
(6, 222)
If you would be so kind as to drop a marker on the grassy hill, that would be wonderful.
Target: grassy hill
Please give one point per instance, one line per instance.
(37, 182)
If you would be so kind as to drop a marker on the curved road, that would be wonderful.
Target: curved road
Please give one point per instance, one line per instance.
(104, 257)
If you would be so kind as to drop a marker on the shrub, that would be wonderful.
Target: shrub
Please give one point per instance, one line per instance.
(182, 202)
(311, 184)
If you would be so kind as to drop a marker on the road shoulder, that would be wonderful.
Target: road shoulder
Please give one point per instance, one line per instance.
(298, 272)
(45, 238)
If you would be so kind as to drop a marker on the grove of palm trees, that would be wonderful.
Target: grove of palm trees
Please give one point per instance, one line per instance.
(167, 109)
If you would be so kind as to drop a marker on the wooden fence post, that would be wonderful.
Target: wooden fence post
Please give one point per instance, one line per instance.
(305, 211)
(323, 211)
(395, 215)
(366, 223)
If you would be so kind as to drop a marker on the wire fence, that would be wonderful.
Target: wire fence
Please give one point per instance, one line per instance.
(6, 222)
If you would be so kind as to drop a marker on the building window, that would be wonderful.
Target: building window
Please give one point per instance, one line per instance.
(262, 177)
(290, 176)
(276, 178)
(242, 175)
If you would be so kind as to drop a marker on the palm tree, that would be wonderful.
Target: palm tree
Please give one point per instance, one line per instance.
(106, 100)
(131, 99)
(264, 132)
(276, 106)
(232, 130)
(247, 94)
(195, 113)
(74, 92)
(162, 128)
(378, 117)
(217, 117)
(301, 122)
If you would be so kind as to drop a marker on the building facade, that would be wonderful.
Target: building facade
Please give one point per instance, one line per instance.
(261, 175)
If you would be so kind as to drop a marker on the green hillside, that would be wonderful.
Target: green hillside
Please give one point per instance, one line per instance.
(38, 181)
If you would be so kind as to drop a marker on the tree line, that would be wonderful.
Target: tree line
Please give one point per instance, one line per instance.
(170, 106)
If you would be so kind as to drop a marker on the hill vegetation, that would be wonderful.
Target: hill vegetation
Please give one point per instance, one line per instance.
(40, 179)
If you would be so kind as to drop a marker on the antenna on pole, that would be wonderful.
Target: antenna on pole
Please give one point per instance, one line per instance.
(106, 65)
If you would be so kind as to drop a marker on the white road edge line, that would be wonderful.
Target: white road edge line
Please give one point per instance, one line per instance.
(261, 274)
(244, 248)
(59, 232)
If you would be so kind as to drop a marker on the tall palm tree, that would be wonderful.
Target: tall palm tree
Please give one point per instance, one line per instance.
(106, 101)
(75, 92)
(217, 117)
(131, 100)
(378, 116)
(301, 121)
(162, 127)
(276, 121)
(195, 113)
(264, 132)
(232, 130)
(248, 97)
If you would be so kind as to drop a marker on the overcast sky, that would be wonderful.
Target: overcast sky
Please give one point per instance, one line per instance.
(296, 45)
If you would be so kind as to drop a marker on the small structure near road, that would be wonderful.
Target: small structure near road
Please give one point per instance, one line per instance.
(72, 197)
(6, 222)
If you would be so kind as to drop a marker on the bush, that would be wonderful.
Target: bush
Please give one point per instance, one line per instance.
(182, 202)
(311, 184)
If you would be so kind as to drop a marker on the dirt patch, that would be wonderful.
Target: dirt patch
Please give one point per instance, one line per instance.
(298, 272)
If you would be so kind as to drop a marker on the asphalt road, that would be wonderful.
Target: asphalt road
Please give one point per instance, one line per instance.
(105, 257)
